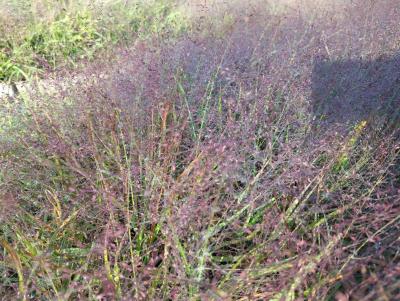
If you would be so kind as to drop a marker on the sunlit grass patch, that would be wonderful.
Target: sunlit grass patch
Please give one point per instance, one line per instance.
(75, 30)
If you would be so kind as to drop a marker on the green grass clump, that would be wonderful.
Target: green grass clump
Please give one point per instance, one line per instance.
(77, 30)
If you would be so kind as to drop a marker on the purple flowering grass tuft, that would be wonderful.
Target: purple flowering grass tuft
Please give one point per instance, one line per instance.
(260, 162)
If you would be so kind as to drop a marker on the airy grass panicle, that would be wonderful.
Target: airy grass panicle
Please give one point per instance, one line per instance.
(195, 161)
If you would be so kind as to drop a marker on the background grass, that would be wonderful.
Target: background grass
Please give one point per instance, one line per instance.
(44, 35)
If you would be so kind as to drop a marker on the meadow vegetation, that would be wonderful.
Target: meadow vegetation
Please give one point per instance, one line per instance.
(43, 35)
(200, 153)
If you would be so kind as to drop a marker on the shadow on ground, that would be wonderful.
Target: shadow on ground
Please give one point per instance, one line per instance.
(345, 92)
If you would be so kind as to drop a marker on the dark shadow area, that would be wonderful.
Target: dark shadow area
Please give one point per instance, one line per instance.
(345, 92)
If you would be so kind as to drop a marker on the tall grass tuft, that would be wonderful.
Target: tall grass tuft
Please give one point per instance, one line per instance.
(199, 167)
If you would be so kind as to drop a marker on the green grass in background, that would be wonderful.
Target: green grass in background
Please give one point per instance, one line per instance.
(39, 34)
